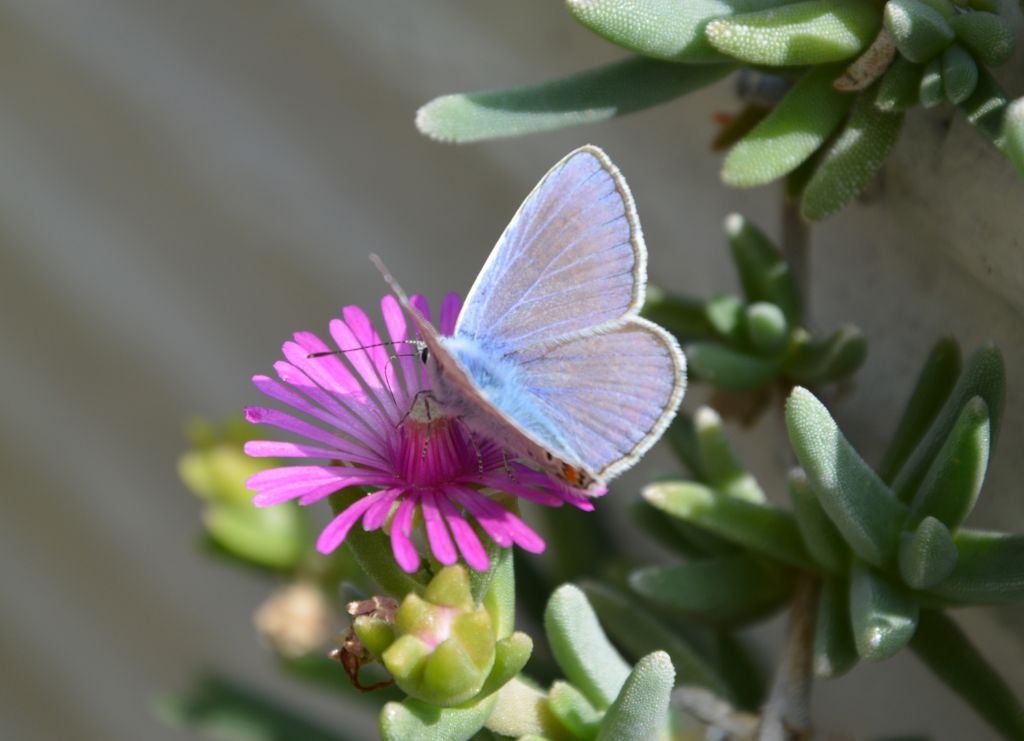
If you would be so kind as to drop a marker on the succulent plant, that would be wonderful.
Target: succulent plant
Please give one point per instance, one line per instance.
(854, 67)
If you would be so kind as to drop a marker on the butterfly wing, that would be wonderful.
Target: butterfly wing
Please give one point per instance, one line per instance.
(613, 392)
(571, 259)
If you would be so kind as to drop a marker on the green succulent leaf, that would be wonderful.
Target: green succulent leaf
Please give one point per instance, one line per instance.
(683, 317)
(883, 615)
(932, 91)
(959, 73)
(804, 33)
(851, 160)
(661, 29)
(900, 87)
(500, 597)
(725, 314)
(927, 555)
(934, 384)
(766, 327)
(832, 359)
(946, 650)
(791, 133)
(511, 655)
(757, 527)
(271, 537)
(834, 651)
(819, 533)
(573, 710)
(640, 712)
(988, 569)
(920, 31)
(581, 647)
(682, 438)
(953, 482)
(728, 368)
(729, 589)
(986, 107)
(585, 97)
(984, 376)
(413, 718)
(986, 35)
(639, 632)
(720, 466)
(1014, 128)
(522, 711)
(856, 500)
(764, 274)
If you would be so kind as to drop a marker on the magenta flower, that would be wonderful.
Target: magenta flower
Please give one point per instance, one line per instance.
(368, 438)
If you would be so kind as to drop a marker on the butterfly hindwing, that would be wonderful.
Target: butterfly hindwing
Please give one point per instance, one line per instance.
(572, 258)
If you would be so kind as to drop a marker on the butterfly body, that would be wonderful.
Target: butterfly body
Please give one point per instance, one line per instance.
(549, 357)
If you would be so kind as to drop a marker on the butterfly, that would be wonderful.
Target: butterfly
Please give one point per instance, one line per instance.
(549, 357)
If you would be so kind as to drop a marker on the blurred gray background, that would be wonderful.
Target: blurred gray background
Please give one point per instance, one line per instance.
(183, 184)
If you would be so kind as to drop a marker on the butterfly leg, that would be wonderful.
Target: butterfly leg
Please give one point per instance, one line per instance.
(476, 447)
(507, 465)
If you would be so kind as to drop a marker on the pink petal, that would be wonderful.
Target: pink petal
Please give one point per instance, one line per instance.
(293, 473)
(465, 537)
(469, 499)
(355, 354)
(398, 331)
(500, 480)
(362, 327)
(278, 449)
(405, 552)
(288, 423)
(437, 532)
(513, 527)
(450, 308)
(335, 532)
(305, 491)
(376, 515)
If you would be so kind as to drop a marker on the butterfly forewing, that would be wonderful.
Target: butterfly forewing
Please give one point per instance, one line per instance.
(571, 259)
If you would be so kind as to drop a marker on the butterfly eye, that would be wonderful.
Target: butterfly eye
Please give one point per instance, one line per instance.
(423, 355)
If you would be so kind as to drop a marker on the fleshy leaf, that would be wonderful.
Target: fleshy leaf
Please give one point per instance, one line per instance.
(511, 655)
(640, 711)
(920, 31)
(683, 317)
(988, 569)
(522, 711)
(946, 650)
(882, 614)
(661, 29)
(723, 590)
(791, 133)
(819, 533)
(573, 710)
(413, 718)
(986, 35)
(986, 107)
(720, 466)
(803, 33)
(900, 86)
(764, 274)
(932, 92)
(767, 327)
(834, 652)
(757, 527)
(500, 598)
(727, 368)
(985, 376)
(856, 500)
(830, 359)
(639, 631)
(954, 480)
(934, 385)
(1014, 127)
(725, 314)
(581, 648)
(959, 73)
(851, 161)
(585, 97)
(927, 555)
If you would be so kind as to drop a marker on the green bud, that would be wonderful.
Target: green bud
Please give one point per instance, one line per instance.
(727, 368)
(883, 615)
(444, 646)
(986, 35)
(374, 633)
(919, 30)
(927, 555)
(766, 327)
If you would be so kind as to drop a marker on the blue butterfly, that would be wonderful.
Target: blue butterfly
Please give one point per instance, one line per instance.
(549, 357)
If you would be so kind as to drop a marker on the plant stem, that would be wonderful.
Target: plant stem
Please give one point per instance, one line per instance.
(796, 250)
(787, 715)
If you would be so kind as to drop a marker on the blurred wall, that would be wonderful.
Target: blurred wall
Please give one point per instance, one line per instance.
(183, 184)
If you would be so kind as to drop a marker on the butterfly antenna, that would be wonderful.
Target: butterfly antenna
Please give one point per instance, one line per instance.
(324, 353)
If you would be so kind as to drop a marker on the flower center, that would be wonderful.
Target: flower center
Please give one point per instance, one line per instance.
(433, 452)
